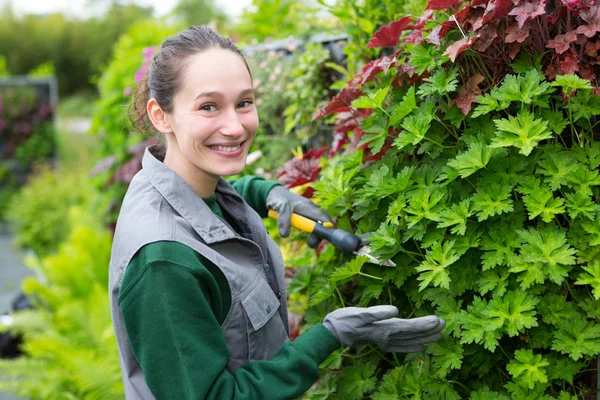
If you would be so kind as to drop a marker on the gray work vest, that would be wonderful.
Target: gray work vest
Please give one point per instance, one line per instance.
(160, 205)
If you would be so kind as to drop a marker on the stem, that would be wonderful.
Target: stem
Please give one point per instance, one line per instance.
(439, 144)
(452, 132)
(460, 384)
(385, 112)
(370, 276)
(340, 296)
(459, 28)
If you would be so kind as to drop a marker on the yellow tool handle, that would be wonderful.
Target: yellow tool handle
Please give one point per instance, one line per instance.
(298, 221)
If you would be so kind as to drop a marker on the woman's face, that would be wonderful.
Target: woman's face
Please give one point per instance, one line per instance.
(214, 119)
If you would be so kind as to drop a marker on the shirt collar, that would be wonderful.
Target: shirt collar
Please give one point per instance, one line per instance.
(180, 195)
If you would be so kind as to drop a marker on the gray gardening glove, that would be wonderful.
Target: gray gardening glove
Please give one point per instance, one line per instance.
(377, 325)
(285, 203)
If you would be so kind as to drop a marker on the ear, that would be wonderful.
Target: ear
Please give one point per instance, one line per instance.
(158, 117)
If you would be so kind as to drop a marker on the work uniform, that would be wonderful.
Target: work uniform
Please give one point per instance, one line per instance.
(198, 294)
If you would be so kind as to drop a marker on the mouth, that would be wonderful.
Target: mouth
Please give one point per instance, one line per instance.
(230, 149)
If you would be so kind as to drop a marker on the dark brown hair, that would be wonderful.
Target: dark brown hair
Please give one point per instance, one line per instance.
(165, 75)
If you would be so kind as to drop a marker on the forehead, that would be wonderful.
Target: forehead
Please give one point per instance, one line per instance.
(215, 70)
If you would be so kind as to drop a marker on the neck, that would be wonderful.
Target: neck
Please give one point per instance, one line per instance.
(202, 183)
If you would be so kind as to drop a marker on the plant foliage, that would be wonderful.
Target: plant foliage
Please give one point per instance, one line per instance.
(471, 152)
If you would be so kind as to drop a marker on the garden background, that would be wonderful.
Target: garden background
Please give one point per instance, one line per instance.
(463, 134)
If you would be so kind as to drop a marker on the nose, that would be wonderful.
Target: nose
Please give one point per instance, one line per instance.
(232, 124)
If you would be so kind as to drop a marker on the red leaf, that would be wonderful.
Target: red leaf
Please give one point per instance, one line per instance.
(440, 4)
(346, 121)
(514, 49)
(371, 70)
(339, 140)
(487, 35)
(439, 32)
(427, 15)
(591, 48)
(468, 93)
(459, 46)
(528, 10)
(591, 15)
(587, 30)
(569, 64)
(572, 3)
(494, 10)
(341, 102)
(415, 37)
(388, 35)
(514, 33)
(561, 43)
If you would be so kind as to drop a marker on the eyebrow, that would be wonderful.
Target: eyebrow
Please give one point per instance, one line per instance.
(245, 92)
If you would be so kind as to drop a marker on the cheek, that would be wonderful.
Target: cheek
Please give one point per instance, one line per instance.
(250, 121)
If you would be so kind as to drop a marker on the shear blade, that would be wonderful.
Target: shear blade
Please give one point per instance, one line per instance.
(366, 251)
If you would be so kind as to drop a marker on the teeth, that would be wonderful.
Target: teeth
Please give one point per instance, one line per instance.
(228, 149)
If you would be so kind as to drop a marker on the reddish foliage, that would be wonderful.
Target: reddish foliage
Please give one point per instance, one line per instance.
(570, 63)
(561, 43)
(459, 46)
(370, 70)
(441, 4)
(297, 172)
(340, 103)
(388, 35)
(515, 33)
(468, 93)
(528, 10)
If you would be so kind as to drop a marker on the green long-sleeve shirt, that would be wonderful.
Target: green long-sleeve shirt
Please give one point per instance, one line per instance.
(173, 302)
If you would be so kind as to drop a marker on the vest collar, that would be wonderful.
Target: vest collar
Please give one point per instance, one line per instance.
(182, 197)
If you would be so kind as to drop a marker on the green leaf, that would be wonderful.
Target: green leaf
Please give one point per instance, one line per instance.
(492, 281)
(591, 277)
(514, 311)
(349, 269)
(585, 105)
(426, 58)
(487, 394)
(490, 200)
(382, 183)
(475, 326)
(541, 202)
(555, 310)
(396, 210)
(528, 368)
(405, 107)
(571, 82)
(426, 204)
(564, 369)
(447, 354)
(357, 379)
(583, 179)
(588, 154)
(500, 245)
(434, 268)
(488, 103)
(556, 166)
(523, 132)
(579, 203)
(324, 292)
(392, 385)
(415, 128)
(577, 338)
(372, 100)
(366, 25)
(546, 245)
(475, 158)
(449, 310)
(524, 89)
(456, 215)
(593, 229)
(441, 83)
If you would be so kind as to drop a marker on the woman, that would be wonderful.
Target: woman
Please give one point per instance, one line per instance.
(197, 286)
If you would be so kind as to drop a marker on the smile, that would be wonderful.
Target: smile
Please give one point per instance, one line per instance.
(227, 149)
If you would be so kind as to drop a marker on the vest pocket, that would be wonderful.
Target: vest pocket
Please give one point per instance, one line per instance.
(266, 332)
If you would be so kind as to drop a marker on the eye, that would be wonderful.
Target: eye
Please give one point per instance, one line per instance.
(245, 103)
(208, 107)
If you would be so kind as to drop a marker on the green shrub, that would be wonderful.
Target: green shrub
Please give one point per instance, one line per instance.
(479, 175)
(39, 211)
(70, 351)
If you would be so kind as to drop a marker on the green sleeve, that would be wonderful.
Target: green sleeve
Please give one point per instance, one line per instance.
(254, 190)
(171, 312)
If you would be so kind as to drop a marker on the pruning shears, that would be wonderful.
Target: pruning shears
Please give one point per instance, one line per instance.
(339, 238)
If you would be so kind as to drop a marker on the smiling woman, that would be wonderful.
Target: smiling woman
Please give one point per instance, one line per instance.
(197, 285)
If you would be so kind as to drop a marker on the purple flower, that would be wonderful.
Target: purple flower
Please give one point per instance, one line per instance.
(148, 52)
(127, 91)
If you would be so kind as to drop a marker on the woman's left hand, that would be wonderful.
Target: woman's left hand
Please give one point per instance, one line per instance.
(286, 203)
